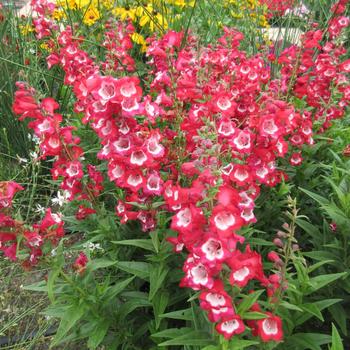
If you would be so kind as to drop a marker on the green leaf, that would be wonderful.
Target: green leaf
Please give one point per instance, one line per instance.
(185, 314)
(321, 305)
(253, 316)
(137, 268)
(130, 306)
(140, 243)
(312, 230)
(238, 344)
(307, 341)
(321, 200)
(211, 347)
(318, 265)
(158, 274)
(50, 284)
(69, 319)
(160, 302)
(337, 343)
(321, 281)
(155, 240)
(290, 306)
(198, 338)
(98, 334)
(171, 332)
(248, 301)
(339, 315)
(40, 286)
(100, 264)
(114, 290)
(312, 309)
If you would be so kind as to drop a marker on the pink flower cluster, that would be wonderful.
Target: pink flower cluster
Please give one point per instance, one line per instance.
(199, 145)
(12, 231)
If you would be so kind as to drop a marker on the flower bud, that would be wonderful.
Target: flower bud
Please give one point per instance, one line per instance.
(295, 247)
(278, 243)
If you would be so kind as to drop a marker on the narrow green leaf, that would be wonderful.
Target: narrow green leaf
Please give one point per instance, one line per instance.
(160, 302)
(321, 304)
(313, 310)
(290, 306)
(100, 264)
(69, 319)
(130, 306)
(50, 284)
(321, 281)
(114, 290)
(40, 286)
(337, 343)
(339, 315)
(137, 268)
(140, 243)
(172, 332)
(98, 334)
(198, 338)
(238, 344)
(307, 341)
(253, 316)
(158, 274)
(185, 314)
(248, 301)
(318, 265)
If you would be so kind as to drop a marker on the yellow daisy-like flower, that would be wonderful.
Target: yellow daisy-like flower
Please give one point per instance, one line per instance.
(67, 4)
(45, 47)
(153, 19)
(91, 16)
(124, 13)
(26, 29)
(139, 39)
(58, 14)
(108, 4)
(181, 3)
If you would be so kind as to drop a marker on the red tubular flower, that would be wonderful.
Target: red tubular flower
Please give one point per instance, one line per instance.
(270, 328)
(7, 191)
(84, 212)
(244, 267)
(80, 263)
(225, 220)
(230, 327)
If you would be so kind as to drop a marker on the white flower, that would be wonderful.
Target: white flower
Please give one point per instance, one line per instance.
(40, 209)
(61, 199)
(22, 160)
(34, 155)
(92, 246)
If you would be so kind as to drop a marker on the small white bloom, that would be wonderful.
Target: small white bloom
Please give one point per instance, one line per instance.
(36, 139)
(53, 252)
(40, 209)
(22, 160)
(61, 199)
(34, 155)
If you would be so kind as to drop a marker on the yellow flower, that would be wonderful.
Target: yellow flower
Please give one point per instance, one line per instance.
(70, 4)
(139, 39)
(108, 4)
(26, 29)
(58, 14)
(153, 19)
(91, 16)
(124, 14)
(45, 47)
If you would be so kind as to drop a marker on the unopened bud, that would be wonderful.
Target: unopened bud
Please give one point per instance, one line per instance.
(281, 234)
(286, 226)
(278, 243)
(295, 247)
